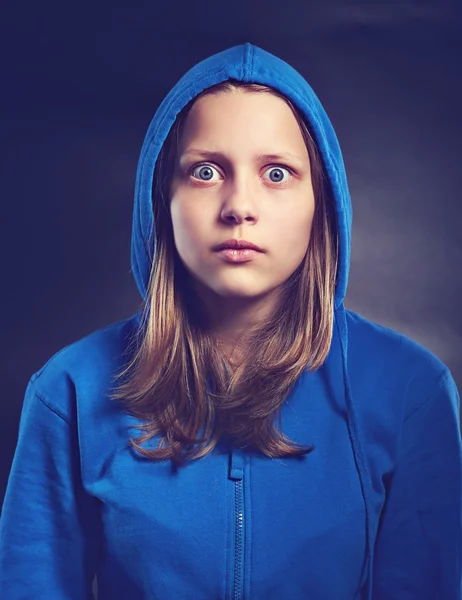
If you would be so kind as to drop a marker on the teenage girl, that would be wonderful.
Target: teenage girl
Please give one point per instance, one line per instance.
(244, 436)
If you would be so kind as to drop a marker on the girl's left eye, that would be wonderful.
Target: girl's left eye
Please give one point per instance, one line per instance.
(277, 173)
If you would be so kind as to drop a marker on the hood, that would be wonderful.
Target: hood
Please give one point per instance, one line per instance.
(249, 63)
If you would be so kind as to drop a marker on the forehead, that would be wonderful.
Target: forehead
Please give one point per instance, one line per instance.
(242, 117)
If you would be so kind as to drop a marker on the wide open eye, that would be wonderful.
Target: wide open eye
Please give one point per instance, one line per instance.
(205, 172)
(277, 174)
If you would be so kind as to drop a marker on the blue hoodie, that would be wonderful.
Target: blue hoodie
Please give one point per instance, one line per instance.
(373, 512)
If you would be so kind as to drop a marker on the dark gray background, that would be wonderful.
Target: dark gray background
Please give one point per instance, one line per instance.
(78, 90)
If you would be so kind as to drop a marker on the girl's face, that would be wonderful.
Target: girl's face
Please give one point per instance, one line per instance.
(226, 185)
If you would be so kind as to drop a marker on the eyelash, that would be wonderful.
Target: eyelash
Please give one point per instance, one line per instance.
(196, 166)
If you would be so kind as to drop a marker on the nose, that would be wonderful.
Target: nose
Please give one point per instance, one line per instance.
(239, 202)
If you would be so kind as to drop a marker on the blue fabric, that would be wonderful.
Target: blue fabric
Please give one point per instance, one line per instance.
(372, 513)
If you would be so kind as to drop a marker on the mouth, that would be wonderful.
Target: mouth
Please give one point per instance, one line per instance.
(238, 255)
(237, 245)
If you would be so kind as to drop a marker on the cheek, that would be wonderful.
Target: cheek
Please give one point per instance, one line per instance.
(293, 232)
(186, 226)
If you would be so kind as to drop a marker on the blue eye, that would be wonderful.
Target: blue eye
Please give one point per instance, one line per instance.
(205, 171)
(277, 173)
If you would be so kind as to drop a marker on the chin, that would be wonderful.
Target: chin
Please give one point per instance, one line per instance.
(241, 292)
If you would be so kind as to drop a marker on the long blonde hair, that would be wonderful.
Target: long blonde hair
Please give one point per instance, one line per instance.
(178, 382)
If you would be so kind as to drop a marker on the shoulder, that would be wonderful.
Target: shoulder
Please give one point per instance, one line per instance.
(389, 363)
(376, 343)
(84, 368)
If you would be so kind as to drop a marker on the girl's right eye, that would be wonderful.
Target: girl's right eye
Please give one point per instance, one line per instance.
(205, 172)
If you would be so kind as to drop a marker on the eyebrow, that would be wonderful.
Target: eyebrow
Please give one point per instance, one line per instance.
(207, 154)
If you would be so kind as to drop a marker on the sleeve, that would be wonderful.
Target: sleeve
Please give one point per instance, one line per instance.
(49, 526)
(418, 552)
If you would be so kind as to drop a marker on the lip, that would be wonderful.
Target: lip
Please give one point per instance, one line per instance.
(238, 255)
(234, 244)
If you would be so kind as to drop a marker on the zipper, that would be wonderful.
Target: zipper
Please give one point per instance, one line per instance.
(239, 541)
(237, 474)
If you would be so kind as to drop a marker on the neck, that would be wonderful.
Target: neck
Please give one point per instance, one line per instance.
(232, 319)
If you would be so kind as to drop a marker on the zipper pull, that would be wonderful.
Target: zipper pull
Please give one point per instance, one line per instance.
(236, 466)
